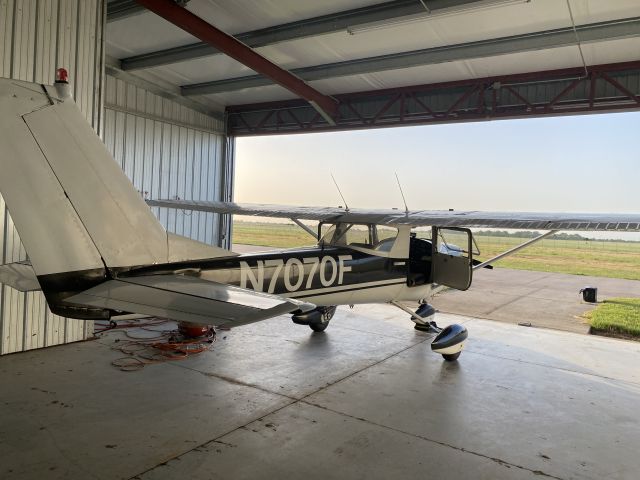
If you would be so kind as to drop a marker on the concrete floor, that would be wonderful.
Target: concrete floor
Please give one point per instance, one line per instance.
(548, 300)
(366, 399)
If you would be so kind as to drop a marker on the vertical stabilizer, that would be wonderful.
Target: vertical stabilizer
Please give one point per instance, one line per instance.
(51, 230)
(120, 223)
(74, 207)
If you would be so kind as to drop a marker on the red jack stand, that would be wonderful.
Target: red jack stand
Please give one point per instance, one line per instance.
(193, 330)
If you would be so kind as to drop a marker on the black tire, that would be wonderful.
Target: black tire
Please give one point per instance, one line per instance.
(319, 327)
(327, 315)
(451, 357)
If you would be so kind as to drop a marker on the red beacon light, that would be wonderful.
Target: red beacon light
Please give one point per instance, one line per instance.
(62, 76)
(61, 85)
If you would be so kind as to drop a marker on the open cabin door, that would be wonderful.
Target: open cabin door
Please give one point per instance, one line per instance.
(452, 263)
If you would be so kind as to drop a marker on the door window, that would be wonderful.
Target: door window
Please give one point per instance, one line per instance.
(453, 257)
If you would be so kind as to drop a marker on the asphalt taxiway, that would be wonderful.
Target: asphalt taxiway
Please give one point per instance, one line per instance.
(541, 299)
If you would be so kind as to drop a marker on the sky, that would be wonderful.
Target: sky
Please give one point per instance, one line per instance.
(587, 163)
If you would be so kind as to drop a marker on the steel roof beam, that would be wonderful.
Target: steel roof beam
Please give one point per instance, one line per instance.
(561, 37)
(190, 23)
(119, 9)
(606, 88)
(334, 22)
(164, 89)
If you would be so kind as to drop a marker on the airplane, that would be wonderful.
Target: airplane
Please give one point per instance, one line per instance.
(97, 251)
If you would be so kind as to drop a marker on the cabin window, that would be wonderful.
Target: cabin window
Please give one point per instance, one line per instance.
(386, 237)
(373, 237)
(359, 236)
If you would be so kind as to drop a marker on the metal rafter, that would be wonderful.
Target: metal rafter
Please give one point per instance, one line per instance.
(164, 89)
(607, 88)
(309, 27)
(184, 19)
(561, 37)
(119, 9)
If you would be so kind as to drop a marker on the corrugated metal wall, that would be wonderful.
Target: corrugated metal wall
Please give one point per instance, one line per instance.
(168, 151)
(36, 36)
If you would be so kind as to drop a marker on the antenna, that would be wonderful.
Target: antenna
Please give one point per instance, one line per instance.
(346, 207)
(406, 209)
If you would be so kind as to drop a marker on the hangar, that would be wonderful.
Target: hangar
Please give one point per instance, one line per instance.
(168, 104)
(170, 85)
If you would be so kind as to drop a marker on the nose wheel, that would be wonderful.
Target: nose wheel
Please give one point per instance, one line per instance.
(449, 341)
(451, 357)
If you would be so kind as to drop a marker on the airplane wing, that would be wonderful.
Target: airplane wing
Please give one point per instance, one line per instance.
(19, 275)
(253, 209)
(185, 298)
(629, 222)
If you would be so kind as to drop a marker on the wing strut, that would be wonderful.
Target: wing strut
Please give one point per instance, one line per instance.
(305, 228)
(514, 249)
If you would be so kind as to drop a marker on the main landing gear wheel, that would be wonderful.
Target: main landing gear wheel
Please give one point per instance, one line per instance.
(424, 312)
(319, 327)
(327, 314)
(430, 327)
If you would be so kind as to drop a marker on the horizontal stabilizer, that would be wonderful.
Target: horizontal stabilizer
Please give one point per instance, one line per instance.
(186, 298)
(183, 248)
(20, 276)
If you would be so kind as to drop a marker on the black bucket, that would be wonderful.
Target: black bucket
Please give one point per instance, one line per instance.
(589, 294)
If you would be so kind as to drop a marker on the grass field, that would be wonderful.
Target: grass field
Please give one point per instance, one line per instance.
(616, 316)
(577, 257)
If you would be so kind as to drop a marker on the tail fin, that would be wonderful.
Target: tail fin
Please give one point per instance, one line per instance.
(77, 213)
(51, 230)
(120, 225)
(74, 207)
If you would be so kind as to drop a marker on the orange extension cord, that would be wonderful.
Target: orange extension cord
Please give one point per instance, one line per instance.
(140, 351)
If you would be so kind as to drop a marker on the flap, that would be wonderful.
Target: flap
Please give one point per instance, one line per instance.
(20, 276)
(188, 299)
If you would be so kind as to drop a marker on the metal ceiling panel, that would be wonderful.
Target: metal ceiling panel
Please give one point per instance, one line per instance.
(597, 53)
(244, 15)
(253, 95)
(126, 37)
(230, 16)
(314, 26)
(202, 69)
(517, 63)
(144, 33)
(541, 40)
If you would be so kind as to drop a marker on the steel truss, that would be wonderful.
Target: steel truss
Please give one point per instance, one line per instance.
(605, 88)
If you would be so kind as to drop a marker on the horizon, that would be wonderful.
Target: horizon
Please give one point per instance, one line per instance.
(476, 231)
(585, 163)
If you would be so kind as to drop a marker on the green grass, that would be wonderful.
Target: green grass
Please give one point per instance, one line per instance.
(617, 316)
(271, 235)
(577, 257)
